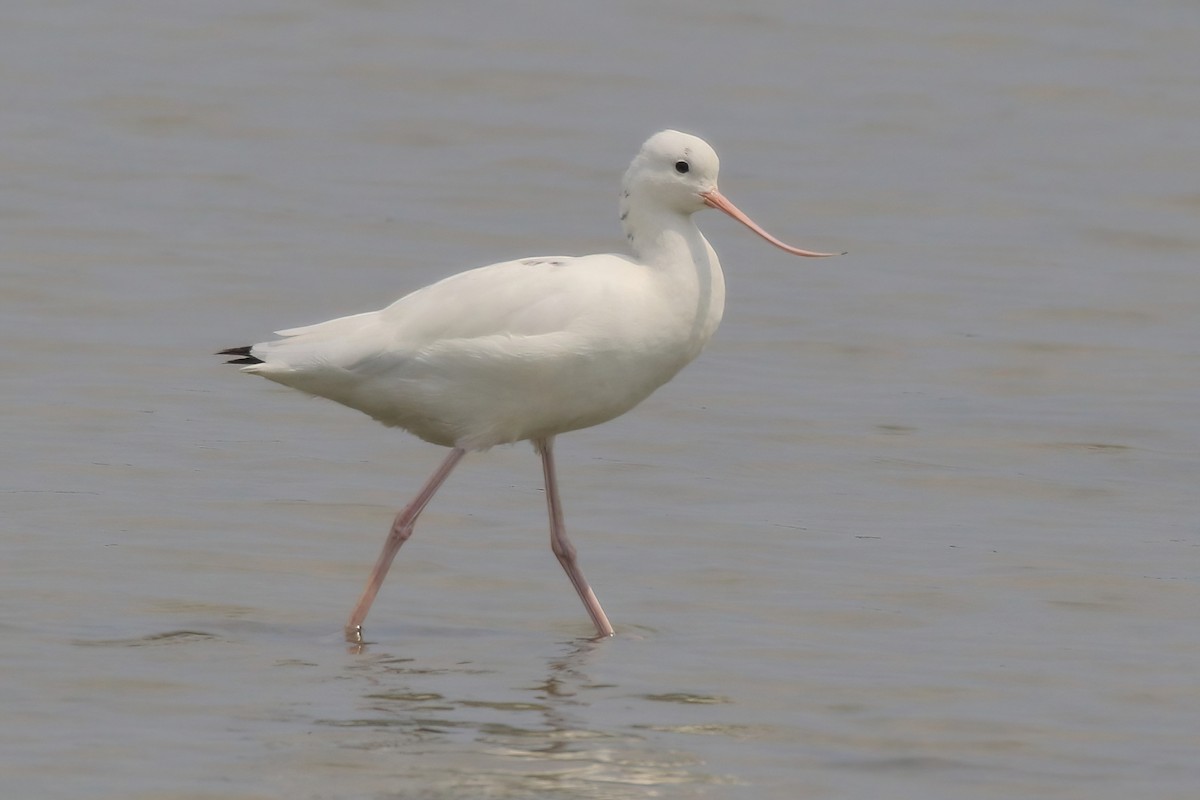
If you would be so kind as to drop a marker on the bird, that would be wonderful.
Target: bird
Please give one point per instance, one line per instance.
(528, 349)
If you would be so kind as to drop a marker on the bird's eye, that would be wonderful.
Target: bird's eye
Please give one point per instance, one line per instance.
(682, 167)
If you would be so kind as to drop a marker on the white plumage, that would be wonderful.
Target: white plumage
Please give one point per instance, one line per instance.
(528, 349)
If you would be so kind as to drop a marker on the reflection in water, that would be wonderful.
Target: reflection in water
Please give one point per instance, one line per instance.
(543, 737)
(166, 638)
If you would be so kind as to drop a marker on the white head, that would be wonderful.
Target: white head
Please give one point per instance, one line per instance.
(675, 169)
(678, 172)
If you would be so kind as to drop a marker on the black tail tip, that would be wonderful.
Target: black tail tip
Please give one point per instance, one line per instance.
(243, 351)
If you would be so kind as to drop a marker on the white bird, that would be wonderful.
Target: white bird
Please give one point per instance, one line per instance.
(529, 349)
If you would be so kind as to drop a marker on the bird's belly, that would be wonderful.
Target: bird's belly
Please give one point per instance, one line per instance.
(476, 403)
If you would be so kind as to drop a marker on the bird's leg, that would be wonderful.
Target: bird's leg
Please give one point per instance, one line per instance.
(562, 546)
(402, 528)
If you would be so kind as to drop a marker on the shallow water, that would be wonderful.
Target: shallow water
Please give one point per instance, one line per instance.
(920, 523)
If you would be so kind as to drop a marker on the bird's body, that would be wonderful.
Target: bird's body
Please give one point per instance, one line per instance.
(508, 352)
(528, 349)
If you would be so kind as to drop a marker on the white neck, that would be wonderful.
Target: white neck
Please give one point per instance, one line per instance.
(669, 243)
(661, 236)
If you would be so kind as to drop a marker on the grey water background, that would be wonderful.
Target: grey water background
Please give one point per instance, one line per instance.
(921, 523)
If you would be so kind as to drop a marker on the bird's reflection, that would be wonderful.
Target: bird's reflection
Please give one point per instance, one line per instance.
(545, 734)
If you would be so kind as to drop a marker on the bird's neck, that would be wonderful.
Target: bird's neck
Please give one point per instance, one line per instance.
(685, 270)
(660, 236)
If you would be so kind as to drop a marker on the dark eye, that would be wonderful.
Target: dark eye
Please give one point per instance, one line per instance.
(682, 167)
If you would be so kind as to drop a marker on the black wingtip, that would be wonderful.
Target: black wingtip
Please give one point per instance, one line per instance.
(243, 351)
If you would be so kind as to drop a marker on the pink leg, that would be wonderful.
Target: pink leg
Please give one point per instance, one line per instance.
(402, 528)
(562, 546)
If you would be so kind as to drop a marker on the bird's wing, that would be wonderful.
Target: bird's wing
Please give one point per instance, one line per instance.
(529, 297)
(524, 298)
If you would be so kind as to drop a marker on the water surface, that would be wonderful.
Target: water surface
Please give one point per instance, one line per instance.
(920, 523)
